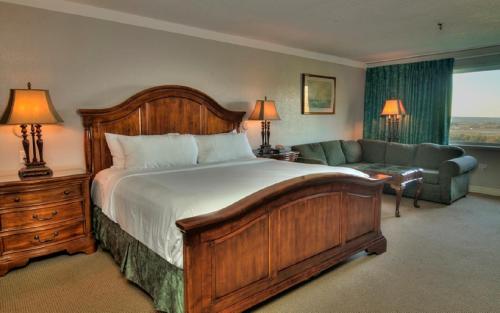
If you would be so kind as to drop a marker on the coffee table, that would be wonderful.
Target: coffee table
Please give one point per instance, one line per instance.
(399, 179)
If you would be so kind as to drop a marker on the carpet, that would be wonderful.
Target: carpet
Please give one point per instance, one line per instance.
(439, 259)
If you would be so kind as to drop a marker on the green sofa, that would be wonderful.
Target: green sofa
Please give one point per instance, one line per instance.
(446, 169)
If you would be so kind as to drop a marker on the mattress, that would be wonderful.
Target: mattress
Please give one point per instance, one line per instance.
(147, 203)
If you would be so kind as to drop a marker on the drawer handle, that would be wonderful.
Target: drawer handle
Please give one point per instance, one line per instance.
(17, 199)
(67, 192)
(38, 218)
(54, 235)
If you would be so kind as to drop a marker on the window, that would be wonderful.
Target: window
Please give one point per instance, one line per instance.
(476, 108)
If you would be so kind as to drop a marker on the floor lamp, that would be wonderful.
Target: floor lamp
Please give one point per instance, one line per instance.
(393, 110)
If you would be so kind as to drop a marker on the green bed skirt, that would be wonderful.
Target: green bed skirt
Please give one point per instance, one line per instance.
(163, 281)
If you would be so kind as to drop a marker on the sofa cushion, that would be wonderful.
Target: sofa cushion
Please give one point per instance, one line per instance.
(352, 151)
(400, 154)
(430, 156)
(430, 176)
(373, 150)
(311, 151)
(333, 152)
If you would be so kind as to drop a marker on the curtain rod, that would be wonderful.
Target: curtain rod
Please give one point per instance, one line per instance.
(444, 54)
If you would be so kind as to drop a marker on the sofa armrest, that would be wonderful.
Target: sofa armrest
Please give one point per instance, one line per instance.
(310, 161)
(457, 166)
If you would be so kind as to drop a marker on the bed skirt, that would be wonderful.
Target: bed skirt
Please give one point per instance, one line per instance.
(163, 281)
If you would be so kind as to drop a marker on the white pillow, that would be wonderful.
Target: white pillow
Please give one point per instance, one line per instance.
(159, 151)
(223, 147)
(116, 148)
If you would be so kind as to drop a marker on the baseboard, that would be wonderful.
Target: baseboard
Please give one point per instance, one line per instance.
(485, 190)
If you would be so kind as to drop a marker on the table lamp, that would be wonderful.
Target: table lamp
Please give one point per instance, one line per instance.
(265, 111)
(31, 107)
(393, 110)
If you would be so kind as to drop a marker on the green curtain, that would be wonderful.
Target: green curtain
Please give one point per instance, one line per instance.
(425, 89)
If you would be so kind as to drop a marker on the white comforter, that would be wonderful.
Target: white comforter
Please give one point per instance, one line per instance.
(147, 203)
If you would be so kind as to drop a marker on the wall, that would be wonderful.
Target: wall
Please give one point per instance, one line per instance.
(90, 63)
(486, 178)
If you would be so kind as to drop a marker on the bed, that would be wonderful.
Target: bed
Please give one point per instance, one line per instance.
(278, 223)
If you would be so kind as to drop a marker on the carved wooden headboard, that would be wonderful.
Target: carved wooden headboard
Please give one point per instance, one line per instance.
(157, 110)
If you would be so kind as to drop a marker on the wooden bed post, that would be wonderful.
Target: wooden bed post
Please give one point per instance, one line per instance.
(193, 263)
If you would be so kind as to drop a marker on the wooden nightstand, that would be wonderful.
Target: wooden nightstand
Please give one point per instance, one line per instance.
(290, 156)
(43, 216)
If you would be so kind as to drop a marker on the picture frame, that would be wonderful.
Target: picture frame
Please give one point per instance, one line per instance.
(318, 94)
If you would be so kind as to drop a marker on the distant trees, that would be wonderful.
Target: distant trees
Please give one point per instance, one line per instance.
(476, 131)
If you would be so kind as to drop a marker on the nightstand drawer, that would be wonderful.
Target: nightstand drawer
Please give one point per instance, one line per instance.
(32, 197)
(35, 239)
(40, 217)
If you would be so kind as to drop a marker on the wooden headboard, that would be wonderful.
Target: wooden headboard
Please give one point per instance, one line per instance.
(157, 110)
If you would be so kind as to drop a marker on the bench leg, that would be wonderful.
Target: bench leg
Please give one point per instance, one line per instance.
(399, 193)
(420, 182)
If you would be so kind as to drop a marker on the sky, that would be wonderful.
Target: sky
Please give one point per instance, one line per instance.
(476, 94)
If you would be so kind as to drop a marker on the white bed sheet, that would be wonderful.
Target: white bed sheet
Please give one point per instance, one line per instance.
(147, 203)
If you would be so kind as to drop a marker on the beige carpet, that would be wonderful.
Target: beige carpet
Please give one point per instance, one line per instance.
(439, 259)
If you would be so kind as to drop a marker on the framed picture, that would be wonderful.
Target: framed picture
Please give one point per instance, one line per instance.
(318, 94)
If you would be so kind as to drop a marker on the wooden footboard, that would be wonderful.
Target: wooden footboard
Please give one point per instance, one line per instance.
(276, 238)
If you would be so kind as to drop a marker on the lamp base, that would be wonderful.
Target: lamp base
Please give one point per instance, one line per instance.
(265, 149)
(33, 172)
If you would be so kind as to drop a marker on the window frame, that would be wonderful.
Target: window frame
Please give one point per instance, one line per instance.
(472, 145)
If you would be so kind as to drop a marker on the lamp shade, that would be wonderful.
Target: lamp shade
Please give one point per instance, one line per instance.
(393, 107)
(30, 106)
(264, 110)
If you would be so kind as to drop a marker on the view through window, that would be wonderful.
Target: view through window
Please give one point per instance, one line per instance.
(476, 108)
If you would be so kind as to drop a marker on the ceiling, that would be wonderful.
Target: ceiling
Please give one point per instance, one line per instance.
(363, 30)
